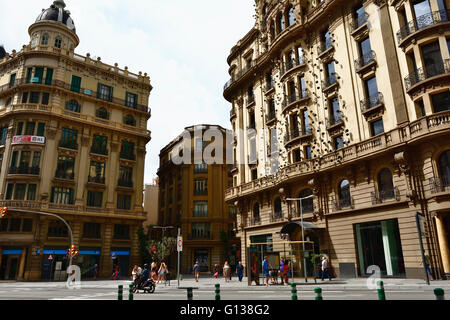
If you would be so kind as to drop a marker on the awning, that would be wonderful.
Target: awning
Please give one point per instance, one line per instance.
(291, 226)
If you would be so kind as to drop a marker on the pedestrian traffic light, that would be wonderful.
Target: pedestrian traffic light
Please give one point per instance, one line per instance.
(3, 212)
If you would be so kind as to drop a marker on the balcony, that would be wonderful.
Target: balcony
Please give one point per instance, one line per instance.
(101, 151)
(199, 236)
(427, 72)
(237, 76)
(329, 83)
(125, 183)
(254, 221)
(276, 217)
(297, 135)
(335, 120)
(269, 86)
(97, 180)
(344, 203)
(126, 156)
(422, 22)
(290, 65)
(250, 100)
(33, 171)
(325, 48)
(232, 113)
(20, 204)
(295, 97)
(385, 195)
(438, 185)
(68, 144)
(200, 192)
(372, 104)
(65, 176)
(357, 23)
(365, 62)
(271, 117)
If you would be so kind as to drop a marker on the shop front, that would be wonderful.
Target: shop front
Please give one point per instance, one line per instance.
(10, 261)
(54, 263)
(121, 261)
(87, 259)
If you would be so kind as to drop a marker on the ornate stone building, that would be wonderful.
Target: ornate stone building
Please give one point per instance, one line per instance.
(351, 104)
(191, 196)
(73, 137)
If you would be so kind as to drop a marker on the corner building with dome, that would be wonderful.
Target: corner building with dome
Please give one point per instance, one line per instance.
(73, 143)
(351, 106)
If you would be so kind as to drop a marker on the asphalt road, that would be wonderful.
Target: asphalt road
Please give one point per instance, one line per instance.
(107, 290)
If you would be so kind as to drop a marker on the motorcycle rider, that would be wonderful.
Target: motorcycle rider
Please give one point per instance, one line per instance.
(143, 277)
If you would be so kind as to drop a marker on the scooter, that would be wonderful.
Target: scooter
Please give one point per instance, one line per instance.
(148, 286)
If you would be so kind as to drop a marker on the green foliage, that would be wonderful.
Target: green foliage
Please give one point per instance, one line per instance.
(143, 245)
(164, 249)
(316, 260)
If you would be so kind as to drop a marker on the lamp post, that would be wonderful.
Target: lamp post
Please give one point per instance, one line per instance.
(303, 230)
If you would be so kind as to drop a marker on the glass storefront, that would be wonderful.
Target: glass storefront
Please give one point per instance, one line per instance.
(202, 256)
(121, 259)
(378, 244)
(87, 259)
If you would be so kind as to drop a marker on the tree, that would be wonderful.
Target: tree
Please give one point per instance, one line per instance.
(143, 245)
(161, 250)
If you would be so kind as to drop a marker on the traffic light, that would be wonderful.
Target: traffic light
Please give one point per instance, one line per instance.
(3, 212)
(72, 252)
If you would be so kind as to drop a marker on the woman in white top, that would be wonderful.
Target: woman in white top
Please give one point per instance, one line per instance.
(162, 273)
(226, 271)
(134, 273)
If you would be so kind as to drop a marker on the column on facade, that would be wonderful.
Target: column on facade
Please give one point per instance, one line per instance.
(443, 244)
(444, 48)
(48, 163)
(135, 258)
(22, 264)
(139, 177)
(6, 159)
(106, 261)
(112, 173)
(83, 171)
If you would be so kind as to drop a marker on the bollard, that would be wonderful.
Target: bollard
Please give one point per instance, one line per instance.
(439, 293)
(217, 292)
(181, 277)
(189, 294)
(381, 294)
(130, 294)
(120, 295)
(318, 292)
(294, 292)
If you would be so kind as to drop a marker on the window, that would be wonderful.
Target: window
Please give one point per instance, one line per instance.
(19, 191)
(444, 168)
(256, 215)
(49, 77)
(97, 172)
(62, 195)
(105, 92)
(254, 174)
(100, 145)
(57, 229)
(338, 143)
(432, 58)
(25, 97)
(365, 50)
(124, 202)
(307, 151)
(31, 194)
(14, 225)
(377, 127)
(73, 105)
(297, 155)
(126, 177)
(45, 98)
(372, 92)
(129, 120)
(76, 84)
(58, 42)
(27, 225)
(29, 74)
(200, 209)
(92, 230)
(360, 16)
(121, 232)
(201, 230)
(335, 112)
(385, 184)
(131, 100)
(12, 80)
(94, 199)
(344, 194)
(69, 139)
(201, 168)
(65, 168)
(38, 74)
(44, 39)
(327, 42)
(441, 101)
(35, 97)
(280, 22)
(331, 74)
(201, 187)
(307, 205)
(291, 17)
(278, 212)
(102, 113)
(127, 150)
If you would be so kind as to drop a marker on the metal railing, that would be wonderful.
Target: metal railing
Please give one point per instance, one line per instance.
(329, 81)
(344, 203)
(384, 195)
(35, 171)
(296, 133)
(294, 97)
(430, 70)
(65, 176)
(269, 86)
(250, 99)
(68, 144)
(277, 216)
(441, 184)
(421, 22)
(271, 116)
(371, 102)
(198, 192)
(199, 236)
(254, 221)
(125, 183)
(335, 119)
(359, 21)
(291, 64)
(98, 180)
(99, 151)
(325, 46)
(127, 156)
(237, 76)
(365, 60)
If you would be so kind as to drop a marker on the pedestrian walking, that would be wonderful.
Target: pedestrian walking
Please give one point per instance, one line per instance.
(286, 272)
(226, 271)
(95, 271)
(325, 269)
(240, 271)
(255, 273)
(154, 271)
(134, 273)
(265, 266)
(196, 271)
(116, 274)
(216, 271)
(162, 273)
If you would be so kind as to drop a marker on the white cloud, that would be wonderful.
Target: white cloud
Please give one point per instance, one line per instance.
(182, 45)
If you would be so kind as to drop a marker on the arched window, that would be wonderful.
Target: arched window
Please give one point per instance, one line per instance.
(278, 211)
(102, 113)
(34, 40)
(272, 31)
(58, 42)
(344, 194)
(385, 184)
(44, 40)
(444, 168)
(307, 204)
(280, 22)
(256, 216)
(73, 106)
(129, 120)
(291, 17)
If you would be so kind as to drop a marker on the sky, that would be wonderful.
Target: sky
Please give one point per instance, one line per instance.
(182, 45)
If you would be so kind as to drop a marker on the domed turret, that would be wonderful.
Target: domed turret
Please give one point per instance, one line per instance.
(57, 13)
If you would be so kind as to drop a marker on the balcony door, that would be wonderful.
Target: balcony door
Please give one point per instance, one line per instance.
(432, 59)
(422, 12)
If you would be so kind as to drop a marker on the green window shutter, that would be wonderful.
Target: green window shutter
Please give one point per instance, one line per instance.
(111, 94)
(49, 77)
(29, 74)
(76, 84)
(45, 98)
(99, 86)
(19, 129)
(12, 80)
(41, 129)
(39, 73)
(71, 196)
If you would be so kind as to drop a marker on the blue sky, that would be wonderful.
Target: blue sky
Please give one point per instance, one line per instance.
(182, 45)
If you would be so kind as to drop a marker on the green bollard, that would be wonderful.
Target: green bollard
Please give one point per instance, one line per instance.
(381, 294)
(294, 292)
(130, 294)
(439, 293)
(217, 292)
(181, 277)
(120, 293)
(318, 292)
(190, 296)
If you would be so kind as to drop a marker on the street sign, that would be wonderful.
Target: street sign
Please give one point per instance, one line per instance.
(180, 244)
(50, 257)
(113, 255)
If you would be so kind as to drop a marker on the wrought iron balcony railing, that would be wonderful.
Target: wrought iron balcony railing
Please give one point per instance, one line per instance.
(34, 171)
(254, 221)
(98, 180)
(329, 81)
(325, 46)
(291, 64)
(271, 116)
(68, 144)
(430, 70)
(237, 76)
(365, 60)
(384, 195)
(421, 22)
(296, 133)
(125, 183)
(65, 176)
(371, 102)
(359, 21)
(277, 216)
(127, 156)
(99, 151)
(344, 203)
(335, 119)
(441, 184)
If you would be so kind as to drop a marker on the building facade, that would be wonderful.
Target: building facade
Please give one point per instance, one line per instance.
(74, 132)
(151, 196)
(191, 197)
(350, 104)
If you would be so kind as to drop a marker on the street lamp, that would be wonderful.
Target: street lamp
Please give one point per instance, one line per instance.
(163, 230)
(303, 230)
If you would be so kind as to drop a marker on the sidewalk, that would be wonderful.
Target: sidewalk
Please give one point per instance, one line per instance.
(335, 284)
